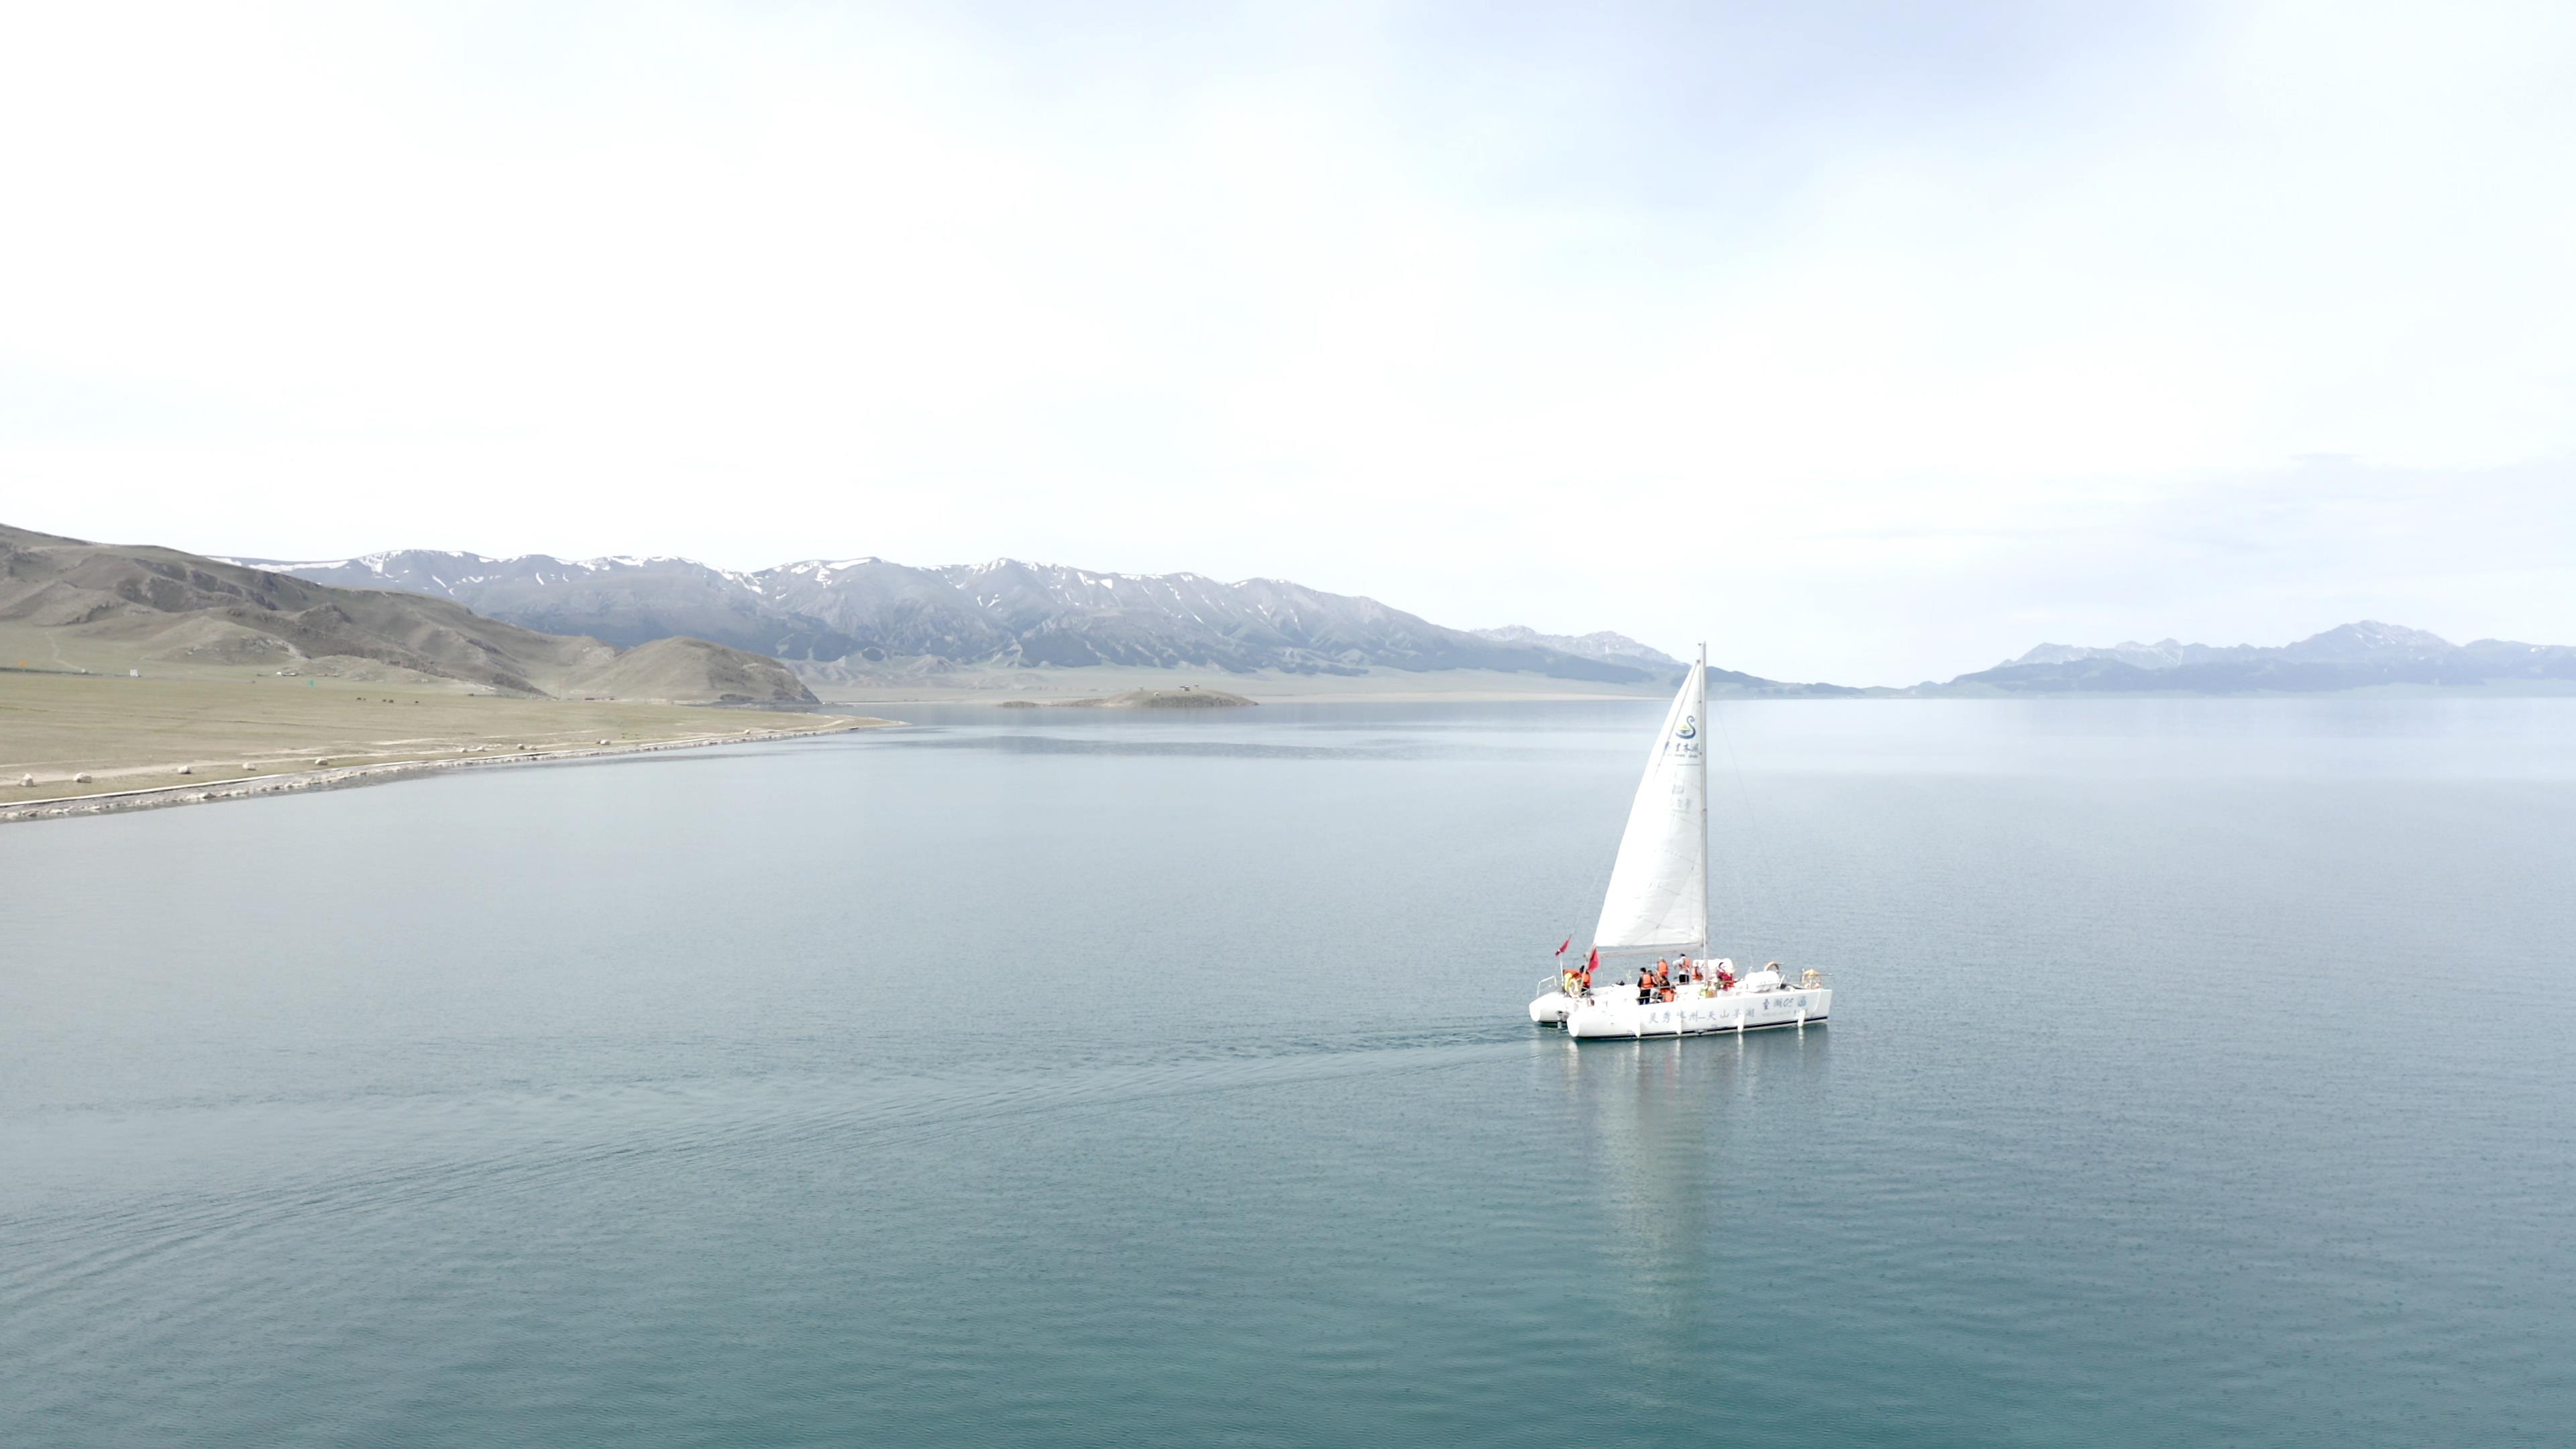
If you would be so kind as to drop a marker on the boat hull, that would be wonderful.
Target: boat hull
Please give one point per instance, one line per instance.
(1551, 1008)
(1694, 1014)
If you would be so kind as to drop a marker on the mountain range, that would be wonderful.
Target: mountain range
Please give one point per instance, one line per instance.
(103, 608)
(677, 628)
(872, 619)
(2350, 656)
(838, 619)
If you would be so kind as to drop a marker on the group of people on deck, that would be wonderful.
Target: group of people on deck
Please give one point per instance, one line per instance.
(1665, 981)
(1662, 983)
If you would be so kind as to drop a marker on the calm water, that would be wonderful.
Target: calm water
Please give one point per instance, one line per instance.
(2200, 1072)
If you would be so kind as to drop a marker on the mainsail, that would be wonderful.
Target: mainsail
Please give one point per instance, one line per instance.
(1658, 896)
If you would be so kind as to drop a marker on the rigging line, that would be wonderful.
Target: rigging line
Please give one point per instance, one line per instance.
(1752, 821)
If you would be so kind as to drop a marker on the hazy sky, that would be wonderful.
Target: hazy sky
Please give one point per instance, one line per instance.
(1871, 342)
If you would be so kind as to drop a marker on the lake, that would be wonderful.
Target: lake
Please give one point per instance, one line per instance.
(2200, 1070)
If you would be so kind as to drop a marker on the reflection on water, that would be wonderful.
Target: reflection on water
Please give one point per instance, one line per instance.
(1653, 1126)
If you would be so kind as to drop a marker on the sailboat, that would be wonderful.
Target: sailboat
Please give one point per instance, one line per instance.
(1657, 905)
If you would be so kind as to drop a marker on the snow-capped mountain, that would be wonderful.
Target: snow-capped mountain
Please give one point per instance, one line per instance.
(1617, 648)
(623, 601)
(865, 613)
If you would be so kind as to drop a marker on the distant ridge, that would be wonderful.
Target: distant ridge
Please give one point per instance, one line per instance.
(2350, 656)
(1618, 648)
(870, 618)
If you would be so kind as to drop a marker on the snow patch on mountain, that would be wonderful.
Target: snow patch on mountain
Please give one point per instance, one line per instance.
(1600, 645)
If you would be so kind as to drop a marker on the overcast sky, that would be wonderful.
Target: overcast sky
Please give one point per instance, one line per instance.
(1871, 342)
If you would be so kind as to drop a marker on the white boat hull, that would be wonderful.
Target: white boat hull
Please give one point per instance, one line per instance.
(1694, 1013)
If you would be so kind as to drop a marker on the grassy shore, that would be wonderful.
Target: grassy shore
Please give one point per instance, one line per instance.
(135, 734)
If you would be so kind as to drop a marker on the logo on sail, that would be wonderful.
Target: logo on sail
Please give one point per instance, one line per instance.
(1689, 729)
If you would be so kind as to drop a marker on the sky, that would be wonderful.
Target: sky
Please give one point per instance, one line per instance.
(1867, 342)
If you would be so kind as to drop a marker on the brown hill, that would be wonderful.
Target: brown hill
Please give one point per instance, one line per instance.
(697, 670)
(113, 607)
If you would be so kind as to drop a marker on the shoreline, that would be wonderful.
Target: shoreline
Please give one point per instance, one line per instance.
(995, 699)
(2541, 689)
(341, 777)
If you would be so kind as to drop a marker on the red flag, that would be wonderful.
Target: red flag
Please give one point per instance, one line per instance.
(1594, 964)
(1568, 942)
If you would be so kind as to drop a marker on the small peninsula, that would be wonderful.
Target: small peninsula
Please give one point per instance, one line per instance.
(1185, 697)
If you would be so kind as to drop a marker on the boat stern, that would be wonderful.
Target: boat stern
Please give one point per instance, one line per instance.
(1600, 1018)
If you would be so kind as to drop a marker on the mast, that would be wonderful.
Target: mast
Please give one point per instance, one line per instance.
(1705, 713)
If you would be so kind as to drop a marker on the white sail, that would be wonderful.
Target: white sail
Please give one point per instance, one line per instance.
(1658, 896)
